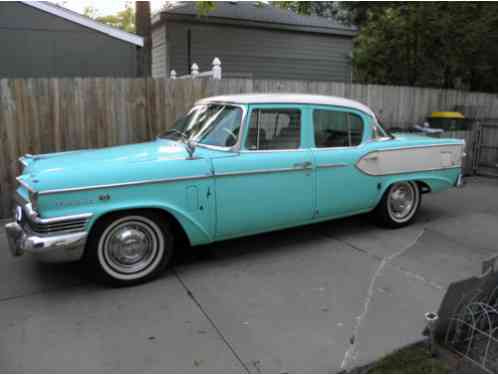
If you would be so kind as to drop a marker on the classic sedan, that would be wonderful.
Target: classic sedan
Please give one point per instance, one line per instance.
(232, 166)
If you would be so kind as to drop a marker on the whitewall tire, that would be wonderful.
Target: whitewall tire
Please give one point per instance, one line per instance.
(399, 205)
(130, 248)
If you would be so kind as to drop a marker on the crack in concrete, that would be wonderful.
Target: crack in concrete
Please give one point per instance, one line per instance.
(351, 352)
(403, 270)
(211, 321)
(459, 243)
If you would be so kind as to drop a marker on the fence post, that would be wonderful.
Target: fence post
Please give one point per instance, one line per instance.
(216, 68)
(172, 74)
(195, 70)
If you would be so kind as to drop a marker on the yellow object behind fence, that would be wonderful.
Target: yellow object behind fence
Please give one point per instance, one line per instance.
(454, 115)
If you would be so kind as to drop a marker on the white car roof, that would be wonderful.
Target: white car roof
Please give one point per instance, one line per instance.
(289, 99)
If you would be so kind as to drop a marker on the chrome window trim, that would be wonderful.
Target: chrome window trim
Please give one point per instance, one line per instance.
(291, 106)
(364, 139)
(124, 184)
(211, 147)
(236, 146)
(381, 139)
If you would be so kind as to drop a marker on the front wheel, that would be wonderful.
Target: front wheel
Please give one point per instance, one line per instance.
(399, 204)
(127, 249)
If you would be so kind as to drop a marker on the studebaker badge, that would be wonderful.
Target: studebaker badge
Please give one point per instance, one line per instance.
(232, 166)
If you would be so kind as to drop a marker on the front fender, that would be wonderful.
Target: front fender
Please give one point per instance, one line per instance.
(195, 231)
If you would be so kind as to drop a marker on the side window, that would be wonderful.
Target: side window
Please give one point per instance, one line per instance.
(274, 129)
(336, 128)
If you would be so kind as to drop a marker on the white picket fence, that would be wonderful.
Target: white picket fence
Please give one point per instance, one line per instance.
(214, 73)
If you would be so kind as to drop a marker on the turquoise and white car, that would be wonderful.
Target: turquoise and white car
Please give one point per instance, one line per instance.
(232, 166)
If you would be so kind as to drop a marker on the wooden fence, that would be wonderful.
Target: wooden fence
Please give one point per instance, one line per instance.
(49, 115)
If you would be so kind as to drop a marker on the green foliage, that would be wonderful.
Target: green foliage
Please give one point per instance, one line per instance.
(124, 19)
(436, 44)
(90, 11)
(204, 7)
(310, 8)
(429, 44)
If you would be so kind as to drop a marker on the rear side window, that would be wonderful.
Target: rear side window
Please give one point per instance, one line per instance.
(336, 128)
(274, 129)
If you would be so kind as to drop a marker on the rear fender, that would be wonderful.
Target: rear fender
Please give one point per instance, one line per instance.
(435, 182)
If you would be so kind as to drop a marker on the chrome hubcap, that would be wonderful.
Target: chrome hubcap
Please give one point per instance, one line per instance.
(130, 247)
(402, 201)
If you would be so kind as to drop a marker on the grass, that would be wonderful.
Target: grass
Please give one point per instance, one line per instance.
(415, 359)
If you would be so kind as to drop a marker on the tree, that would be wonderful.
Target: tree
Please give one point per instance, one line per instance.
(90, 11)
(310, 8)
(124, 19)
(421, 44)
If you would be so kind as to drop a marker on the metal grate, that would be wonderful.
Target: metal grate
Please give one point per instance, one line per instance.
(66, 226)
(473, 330)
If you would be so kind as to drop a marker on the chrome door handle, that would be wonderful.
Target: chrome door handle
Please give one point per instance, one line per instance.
(304, 165)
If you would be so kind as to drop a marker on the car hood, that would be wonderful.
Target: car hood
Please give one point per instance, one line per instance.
(128, 154)
(144, 161)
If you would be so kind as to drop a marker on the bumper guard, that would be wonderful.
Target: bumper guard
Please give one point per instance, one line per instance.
(63, 247)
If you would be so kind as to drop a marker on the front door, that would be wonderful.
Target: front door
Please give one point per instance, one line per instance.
(269, 184)
(342, 189)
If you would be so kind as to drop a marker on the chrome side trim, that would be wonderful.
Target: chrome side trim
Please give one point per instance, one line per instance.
(22, 161)
(332, 165)
(264, 171)
(33, 215)
(123, 184)
(408, 172)
(315, 149)
(414, 147)
(61, 219)
(25, 185)
(245, 151)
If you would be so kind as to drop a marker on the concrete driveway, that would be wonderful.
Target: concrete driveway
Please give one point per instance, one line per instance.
(318, 299)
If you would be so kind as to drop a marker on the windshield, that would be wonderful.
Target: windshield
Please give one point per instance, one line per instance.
(211, 124)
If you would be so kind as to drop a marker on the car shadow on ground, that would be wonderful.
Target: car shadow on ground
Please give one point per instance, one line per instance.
(229, 250)
(271, 242)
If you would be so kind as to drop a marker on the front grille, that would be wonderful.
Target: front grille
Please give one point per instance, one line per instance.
(71, 225)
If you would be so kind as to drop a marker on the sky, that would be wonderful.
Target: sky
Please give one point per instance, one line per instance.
(104, 7)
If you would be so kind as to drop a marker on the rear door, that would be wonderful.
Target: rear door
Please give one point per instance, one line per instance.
(339, 135)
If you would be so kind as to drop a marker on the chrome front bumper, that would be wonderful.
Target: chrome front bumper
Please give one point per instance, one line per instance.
(459, 182)
(50, 248)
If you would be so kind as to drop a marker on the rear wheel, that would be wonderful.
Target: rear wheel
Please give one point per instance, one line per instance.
(399, 204)
(130, 248)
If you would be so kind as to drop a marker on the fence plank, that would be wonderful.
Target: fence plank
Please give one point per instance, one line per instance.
(51, 115)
